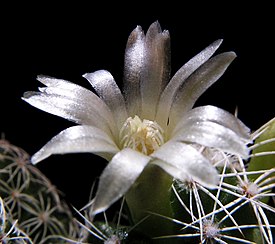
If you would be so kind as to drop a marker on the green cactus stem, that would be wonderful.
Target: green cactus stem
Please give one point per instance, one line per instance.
(151, 194)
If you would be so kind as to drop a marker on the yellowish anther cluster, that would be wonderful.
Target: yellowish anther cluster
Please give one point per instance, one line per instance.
(144, 136)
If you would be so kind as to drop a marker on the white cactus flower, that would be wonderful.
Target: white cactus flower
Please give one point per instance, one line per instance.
(152, 121)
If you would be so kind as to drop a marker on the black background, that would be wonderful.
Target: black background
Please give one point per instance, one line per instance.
(66, 41)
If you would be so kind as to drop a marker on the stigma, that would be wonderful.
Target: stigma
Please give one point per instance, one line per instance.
(144, 136)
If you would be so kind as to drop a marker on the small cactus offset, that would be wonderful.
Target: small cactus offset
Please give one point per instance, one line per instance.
(175, 173)
(31, 208)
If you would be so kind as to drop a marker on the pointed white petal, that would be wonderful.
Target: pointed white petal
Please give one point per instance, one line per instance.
(155, 70)
(78, 139)
(198, 83)
(177, 80)
(106, 87)
(210, 134)
(175, 172)
(183, 160)
(54, 82)
(133, 63)
(73, 102)
(70, 109)
(216, 115)
(118, 176)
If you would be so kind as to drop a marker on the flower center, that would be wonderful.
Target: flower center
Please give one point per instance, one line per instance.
(144, 136)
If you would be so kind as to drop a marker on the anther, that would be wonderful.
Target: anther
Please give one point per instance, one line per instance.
(144, 136)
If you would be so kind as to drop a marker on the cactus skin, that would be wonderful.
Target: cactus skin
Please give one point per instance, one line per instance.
(265, 145)
(33, 202)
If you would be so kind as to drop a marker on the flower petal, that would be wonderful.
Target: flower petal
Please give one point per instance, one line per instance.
(177, 80)
(183, 161)
(156, 69)
(73, 102)
(118, 176)
(216, 115)
(77, 139)
(175, 172)
(133, 63)
(198, 83)
(106, 87)
(211, 134)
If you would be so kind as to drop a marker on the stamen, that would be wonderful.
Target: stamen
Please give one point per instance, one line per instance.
(144, 136)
